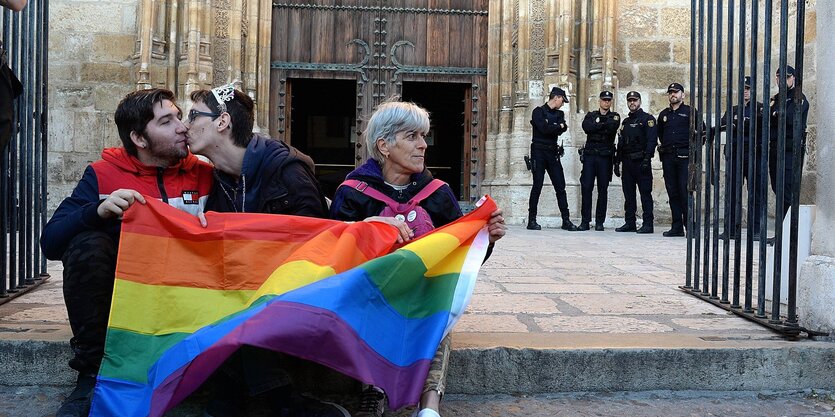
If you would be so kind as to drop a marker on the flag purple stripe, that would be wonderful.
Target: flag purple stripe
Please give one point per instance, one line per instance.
(341, 349)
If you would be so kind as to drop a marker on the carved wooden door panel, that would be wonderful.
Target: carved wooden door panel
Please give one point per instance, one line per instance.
(381, 44)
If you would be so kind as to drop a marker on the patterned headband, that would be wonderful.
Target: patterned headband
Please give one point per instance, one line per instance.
(223, 94)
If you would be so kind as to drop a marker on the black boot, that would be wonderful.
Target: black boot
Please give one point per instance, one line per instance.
(78, 402)
(583, 226)
(674, 232)
(628, 227)
(599, 227)
(645, 229)
(567, 225)
(533, 225)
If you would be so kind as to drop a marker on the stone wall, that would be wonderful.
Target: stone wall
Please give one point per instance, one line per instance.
(90, 48)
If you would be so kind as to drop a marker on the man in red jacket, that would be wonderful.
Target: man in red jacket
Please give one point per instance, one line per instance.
(83, 232)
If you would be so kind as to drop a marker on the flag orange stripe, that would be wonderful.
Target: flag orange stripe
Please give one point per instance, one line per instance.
(230, 265)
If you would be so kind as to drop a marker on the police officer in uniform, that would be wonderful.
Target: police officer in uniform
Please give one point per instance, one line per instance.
(548, 123)
(789, 150)
(749, 110)
(636, 147)
(10, 86)
(600, 126)
(674, 136)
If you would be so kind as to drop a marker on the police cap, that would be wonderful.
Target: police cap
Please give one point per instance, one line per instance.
(747, 83)
(633, 94)
(789, 71)
(606, 95)
(675, 87)
(556, 91)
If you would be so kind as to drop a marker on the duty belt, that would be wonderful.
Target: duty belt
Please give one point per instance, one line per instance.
(600, 152)
(543, 147)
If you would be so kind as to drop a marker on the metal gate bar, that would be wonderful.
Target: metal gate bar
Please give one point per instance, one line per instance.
(715, 27)
(23, 162)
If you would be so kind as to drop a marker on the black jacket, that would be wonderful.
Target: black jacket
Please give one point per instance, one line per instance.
(275, 178)
(791, 105)
(674, 127)
(548, 124)
(639, 133)
(601, 129)
(352, 205)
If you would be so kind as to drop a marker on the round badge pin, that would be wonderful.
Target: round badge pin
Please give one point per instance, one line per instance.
(400, 217)
(412, 215)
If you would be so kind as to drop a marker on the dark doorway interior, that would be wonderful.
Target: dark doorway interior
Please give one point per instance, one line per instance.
(322, 125)
(445, 103)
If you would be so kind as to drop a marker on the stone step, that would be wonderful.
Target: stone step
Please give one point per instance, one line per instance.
(513, 364)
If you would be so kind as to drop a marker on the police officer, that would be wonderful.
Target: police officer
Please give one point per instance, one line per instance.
(548, 123)
(636, 147)
(749, 110)
(600, 126)
(674, 136)
(791, 105)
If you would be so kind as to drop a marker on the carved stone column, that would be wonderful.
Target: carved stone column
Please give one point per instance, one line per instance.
(186, 45)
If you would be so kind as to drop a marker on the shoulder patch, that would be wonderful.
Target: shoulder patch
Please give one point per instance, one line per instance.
(664, 119)
(617, 117)
(651, 123)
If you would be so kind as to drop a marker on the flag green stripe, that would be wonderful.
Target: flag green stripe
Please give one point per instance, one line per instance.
(130, 355)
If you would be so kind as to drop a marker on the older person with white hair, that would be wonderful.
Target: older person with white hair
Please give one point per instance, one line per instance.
(396, 141)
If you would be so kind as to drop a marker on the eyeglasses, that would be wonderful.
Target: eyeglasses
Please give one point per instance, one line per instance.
(192, 114)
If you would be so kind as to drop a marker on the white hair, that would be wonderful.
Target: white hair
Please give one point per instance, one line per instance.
(390, 118)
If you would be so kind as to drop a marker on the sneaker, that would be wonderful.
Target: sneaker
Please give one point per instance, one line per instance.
(77, 404)
(645, 229)
(567, 225)
(599, 227)
(533, 225)
(372, 402)
(583, 226)
(426, 412)
(628, 227)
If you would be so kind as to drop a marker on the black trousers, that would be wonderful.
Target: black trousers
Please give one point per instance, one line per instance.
(787, 175)
(595, 168)
(635, 176)
(89, 271)
(754, 186)
(547, 161)
(675, 181)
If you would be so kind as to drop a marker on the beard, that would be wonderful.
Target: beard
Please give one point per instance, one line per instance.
(166, 151)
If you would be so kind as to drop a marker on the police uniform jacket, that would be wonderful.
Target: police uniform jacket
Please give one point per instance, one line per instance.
(601, 129)
(638, 136)
(748, 111)
(674, 128)
(791, 104)
(548, 124)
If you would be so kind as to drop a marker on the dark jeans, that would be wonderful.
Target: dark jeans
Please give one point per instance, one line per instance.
(89, 271)
(787, 175)
(542, 161)
(754, 186)
(675, 181)
(595, 168)
(635, 176)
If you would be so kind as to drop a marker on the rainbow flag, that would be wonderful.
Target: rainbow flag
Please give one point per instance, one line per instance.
(340, 294)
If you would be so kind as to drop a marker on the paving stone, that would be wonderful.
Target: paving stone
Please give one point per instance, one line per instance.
(555, 288)
(512, 303)
(600, 324)
(485, 323)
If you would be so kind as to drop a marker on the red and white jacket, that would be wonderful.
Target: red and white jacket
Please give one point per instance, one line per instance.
(185, 186)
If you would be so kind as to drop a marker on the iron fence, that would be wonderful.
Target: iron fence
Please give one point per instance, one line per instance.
(758, 145)
(23, 161)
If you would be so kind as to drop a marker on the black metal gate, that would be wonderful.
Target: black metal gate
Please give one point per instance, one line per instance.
(762, 141)
(23, 161)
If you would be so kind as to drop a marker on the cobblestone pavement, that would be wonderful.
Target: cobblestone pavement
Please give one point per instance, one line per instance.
(36, 401)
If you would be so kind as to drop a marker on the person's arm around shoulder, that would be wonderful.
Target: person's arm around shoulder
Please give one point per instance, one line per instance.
(16, 5)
